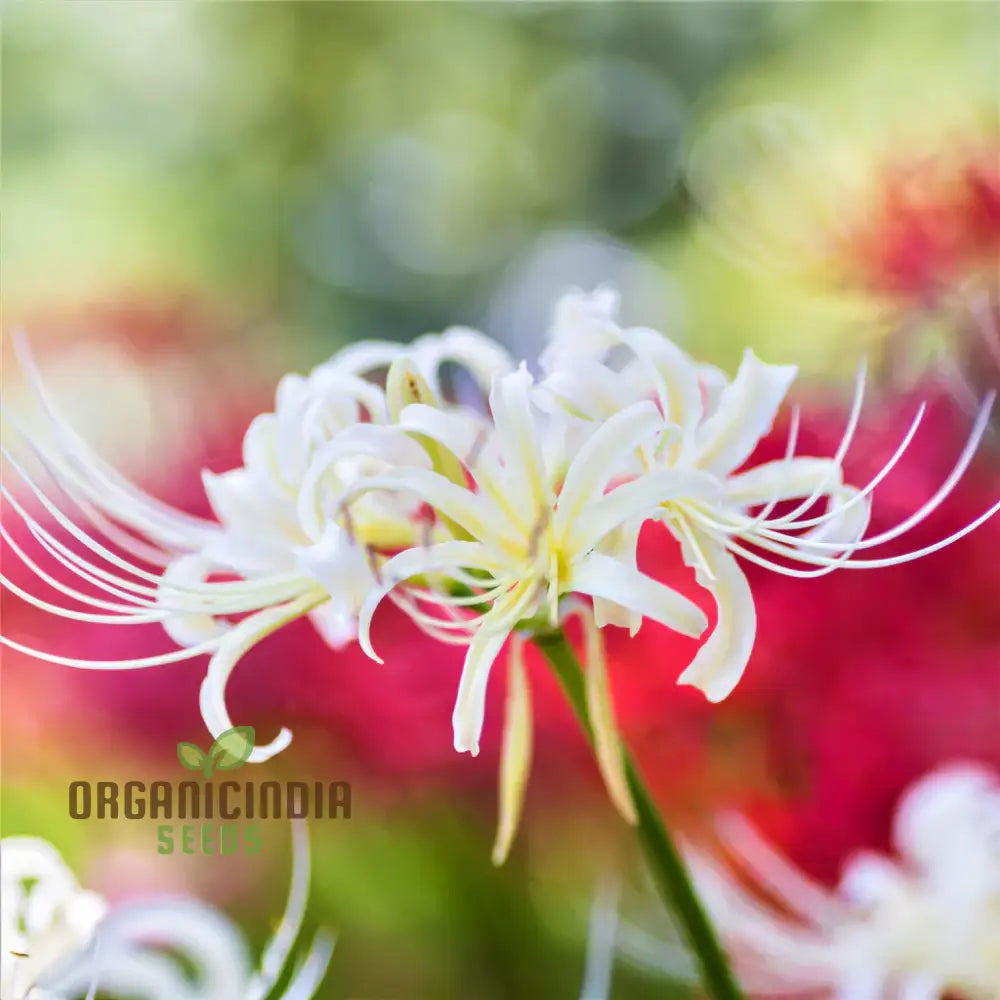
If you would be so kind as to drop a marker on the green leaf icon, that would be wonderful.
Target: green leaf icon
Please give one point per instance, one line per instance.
(192, 757)
(232, 749)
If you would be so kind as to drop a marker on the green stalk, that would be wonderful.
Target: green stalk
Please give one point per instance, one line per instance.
(662, 855)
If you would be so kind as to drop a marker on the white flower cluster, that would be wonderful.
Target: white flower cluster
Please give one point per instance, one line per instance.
(923, 926)
(61, 942)
(371, 480)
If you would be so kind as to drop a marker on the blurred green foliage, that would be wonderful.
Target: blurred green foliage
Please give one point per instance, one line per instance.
(344, 169)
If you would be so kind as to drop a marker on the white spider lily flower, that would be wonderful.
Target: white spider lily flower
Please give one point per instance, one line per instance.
(925, 925)
(161, 949)
(44, 914)
(530, 533)
(294, 555)
(714, 427)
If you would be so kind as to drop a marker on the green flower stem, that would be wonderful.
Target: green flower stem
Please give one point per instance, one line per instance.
(662, 855)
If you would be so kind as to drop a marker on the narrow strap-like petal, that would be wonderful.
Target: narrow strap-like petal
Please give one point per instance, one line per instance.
(515, 755)
(747, 408)
(496, 626)
(600, 458)
(600, 710)
(601, 576)
(719, 664)
(232, 647)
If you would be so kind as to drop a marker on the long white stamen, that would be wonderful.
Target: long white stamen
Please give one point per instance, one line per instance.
(171, 528)
(817, 560)
(936, 500)
(56, 584)
(869, 487)
(405, 600)
(842, 449)
(233, 596)
(86, 570)
(223, 598)
(82, 616)
(793, 437)
(155, 555)
(799, 574)
(96, 505)
(309, 973)
(148, 661)
(681, 521)
(76, 533)
(108, 478)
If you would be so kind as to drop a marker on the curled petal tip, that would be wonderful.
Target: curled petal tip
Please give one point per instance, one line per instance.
(260, 754)
(712, 692)
(464, 746)
(364, 627)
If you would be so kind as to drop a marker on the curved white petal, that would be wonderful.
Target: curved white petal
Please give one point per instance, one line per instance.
(192, 628)
(206, 938)
(642, 497)
(622, 546)
(494, 629)
(350, 457)
(481, 356)
(598, 461)
(334, 398)
(674, 375)
(135, 973)
(458, 432)
(746, 411)
(238, 641)
(473, 512)
(470, 704)
(517, 441)
(849, 520)
(466, 439)
(364, 356)
(719, 664)
(259, 526)
(341, 567)
(783, 479)
(601, 576)
(413, 562)
(585, 388)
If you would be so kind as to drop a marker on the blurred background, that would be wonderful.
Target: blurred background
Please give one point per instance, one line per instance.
(199, 198)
